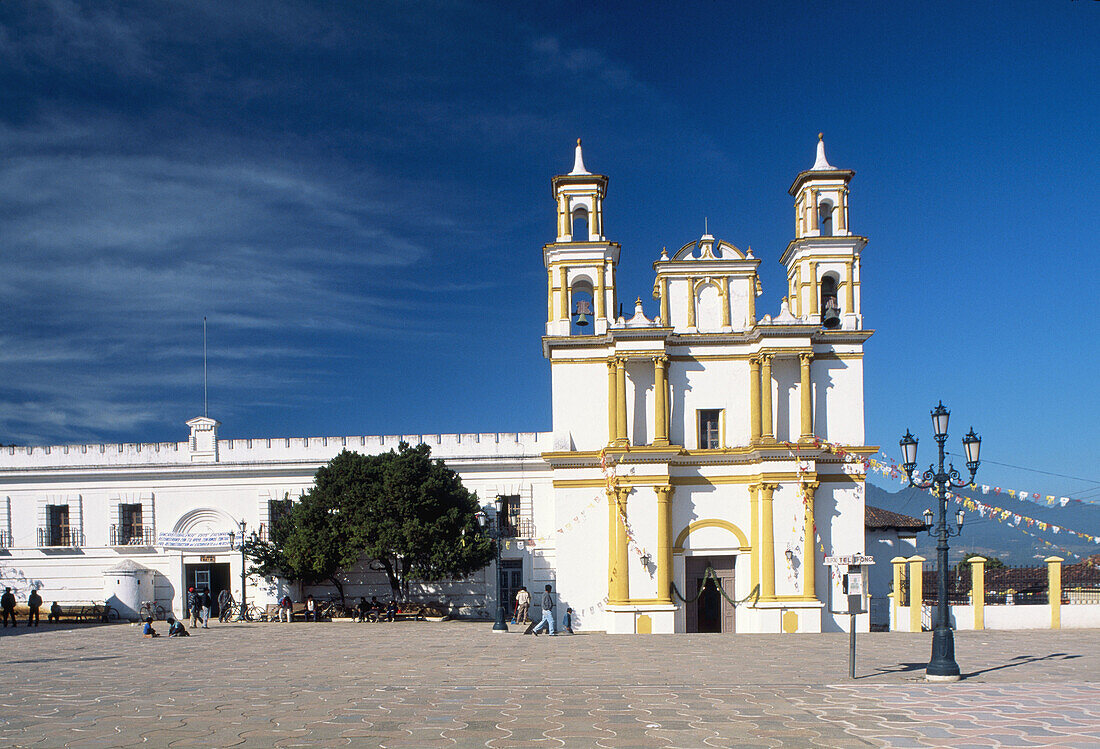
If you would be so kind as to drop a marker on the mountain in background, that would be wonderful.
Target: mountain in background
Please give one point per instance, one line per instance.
(1001, 539)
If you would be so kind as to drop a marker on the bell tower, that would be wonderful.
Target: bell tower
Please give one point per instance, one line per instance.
(823, 259)
(580, 262)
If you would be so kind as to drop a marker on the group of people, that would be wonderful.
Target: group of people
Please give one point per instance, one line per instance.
(34, 603)
(523, 604)
(175, 628)
(375, 611)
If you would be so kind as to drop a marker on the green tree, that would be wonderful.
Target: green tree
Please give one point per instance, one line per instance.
(407, 513)
(963, 567)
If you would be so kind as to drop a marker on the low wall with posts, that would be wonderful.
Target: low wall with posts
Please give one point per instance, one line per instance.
(986, 599)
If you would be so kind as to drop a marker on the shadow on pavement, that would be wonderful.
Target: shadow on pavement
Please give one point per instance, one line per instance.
(1022, 660)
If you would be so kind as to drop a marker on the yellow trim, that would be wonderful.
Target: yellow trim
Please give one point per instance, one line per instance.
(754, 530)
(977, 588)
(660, 401)
(691, 302)
(549, 295)
(601, 300)
(767, 541)
(806, 396)
(754, 399)
(849, 294)
(916, 592)
(563, 299)
(612, 400)
(813, 286)
(625, 481)
(895, 594)
(620, 393)
(809, 546)
(1054, 590)
(678, 545)
(766, 428)
(643, 624)
(665, 314)
(664, 543)
(725, 289)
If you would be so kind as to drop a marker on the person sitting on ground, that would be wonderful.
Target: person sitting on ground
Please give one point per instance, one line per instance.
(362, 609)
(375, 609)
(148, 631)
(55, 613)
(176, 629)
(391, 611)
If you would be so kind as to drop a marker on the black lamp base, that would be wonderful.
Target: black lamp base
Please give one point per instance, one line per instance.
(942, 667)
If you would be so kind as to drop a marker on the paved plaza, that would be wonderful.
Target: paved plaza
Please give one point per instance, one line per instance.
(425, 684)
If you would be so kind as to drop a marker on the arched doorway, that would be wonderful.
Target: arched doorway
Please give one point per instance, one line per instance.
(711, 611)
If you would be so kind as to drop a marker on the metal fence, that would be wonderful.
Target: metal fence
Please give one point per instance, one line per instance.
(1014, 586)
(60, 536)
(133, 535)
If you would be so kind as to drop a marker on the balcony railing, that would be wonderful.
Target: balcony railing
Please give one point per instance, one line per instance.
(60, 536)
(133, 535)
(5, 540)
(519, 528)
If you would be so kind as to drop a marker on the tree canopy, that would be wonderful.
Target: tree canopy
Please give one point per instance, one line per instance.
(407, 513)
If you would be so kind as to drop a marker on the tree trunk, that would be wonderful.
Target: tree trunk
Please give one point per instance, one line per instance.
(340, 589)
(391, 574)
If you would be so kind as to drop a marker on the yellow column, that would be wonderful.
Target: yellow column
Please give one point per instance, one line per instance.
(691, 302)
(850, 292)
(660, 400)
(549, 295)
(895, 593)
(813, 288)
(563, 303)
(806, 393)
(809, 550)
(916, 591)
(664, 543)
(601, 293)
(622, 548)
(813, 210)
(766, 398)
(754, 399)
(1054, 590)
(613, 572)
(977, 590)
(620, 406)
(562, 223)
(843, 218)
(752, 300)
(725, 301)
(612, 402)
(767, 543)
(754, 536)
(665, 321)
(798, 290)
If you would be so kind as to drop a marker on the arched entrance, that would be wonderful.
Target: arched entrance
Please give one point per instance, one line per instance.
(709, 545)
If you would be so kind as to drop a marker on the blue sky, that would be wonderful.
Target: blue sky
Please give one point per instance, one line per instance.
(356, 196)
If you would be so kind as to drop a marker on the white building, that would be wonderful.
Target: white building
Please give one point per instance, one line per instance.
(706, 457)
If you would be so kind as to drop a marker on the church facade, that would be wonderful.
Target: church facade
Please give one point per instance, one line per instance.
(683, 486)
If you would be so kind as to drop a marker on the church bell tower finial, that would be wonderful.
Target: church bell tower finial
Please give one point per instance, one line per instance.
(578, 161)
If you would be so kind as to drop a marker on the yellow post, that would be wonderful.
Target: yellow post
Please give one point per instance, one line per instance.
(766, 397)
(601, 293)
(850, 292)
(813, 288)
(767, 543)
(809, 552)
(660, 401)
(805, 391)
(895, 592)
(665, 321)
(725, 301)
(622, 547)
(916, 592)
(754, 536)
(620, 408)
(1054, 590)
(550, 295)
(754, 399)
(612, 403)
(691, 302)
(664, 543)
(563, 299)
(977, 590)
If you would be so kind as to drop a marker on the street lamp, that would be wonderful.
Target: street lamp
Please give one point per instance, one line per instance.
(243, 615)
(942, 667)
(496, 532)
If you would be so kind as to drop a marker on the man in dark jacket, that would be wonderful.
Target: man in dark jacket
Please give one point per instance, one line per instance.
(7, 606)
(205, 602)
(547, 614)
(34, 602)
(193, 607)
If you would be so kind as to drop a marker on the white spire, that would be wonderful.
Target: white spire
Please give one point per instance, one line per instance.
(578, 161)
(821, 162)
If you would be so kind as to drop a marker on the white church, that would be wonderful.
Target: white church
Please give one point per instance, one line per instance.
(700, 503)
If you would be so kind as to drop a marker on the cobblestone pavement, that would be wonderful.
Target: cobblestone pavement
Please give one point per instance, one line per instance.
(422, 684)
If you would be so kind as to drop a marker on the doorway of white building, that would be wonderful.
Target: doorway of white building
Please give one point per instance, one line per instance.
(210, 576)
(511, 578)
(710, 612)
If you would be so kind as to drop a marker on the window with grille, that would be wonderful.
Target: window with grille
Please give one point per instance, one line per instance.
(57, 525)
(130, 530)
(710, 428)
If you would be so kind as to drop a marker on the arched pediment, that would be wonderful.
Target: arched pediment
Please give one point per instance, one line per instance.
(205, 520)
(719, 536)
(709, 250)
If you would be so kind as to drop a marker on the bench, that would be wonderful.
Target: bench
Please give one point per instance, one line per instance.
(76, 611)
(297, 611)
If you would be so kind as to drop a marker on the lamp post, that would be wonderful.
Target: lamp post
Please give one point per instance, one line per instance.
(243, 615)
(942, 667)
(496, 532)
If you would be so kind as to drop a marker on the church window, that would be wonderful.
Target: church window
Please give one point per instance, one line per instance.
(825, 218)
(57, 525)
(830, 306)
(580, 225)
(510, 520)
(129, 528)
(710, 428)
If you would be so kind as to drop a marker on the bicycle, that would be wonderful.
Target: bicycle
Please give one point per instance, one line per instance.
(150, 609)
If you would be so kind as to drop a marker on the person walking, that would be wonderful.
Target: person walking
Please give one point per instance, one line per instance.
(7, 606)
(34, 603)
(225, 605)
(205, 602)
(523, 603)
(193, 607)
(547, 614)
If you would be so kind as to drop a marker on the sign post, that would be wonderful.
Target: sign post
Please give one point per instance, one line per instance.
(854, 587)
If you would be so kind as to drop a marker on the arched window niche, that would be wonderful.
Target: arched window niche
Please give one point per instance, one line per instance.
(582, 308)
(579, 231)
(830, 304)
(825, 218)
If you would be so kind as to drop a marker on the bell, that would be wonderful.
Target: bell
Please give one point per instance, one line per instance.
(583, 308)
(831, 316)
